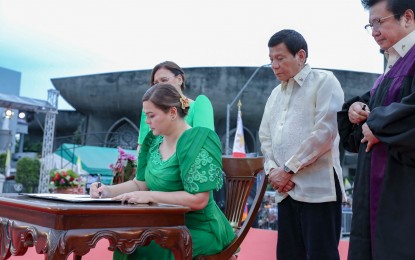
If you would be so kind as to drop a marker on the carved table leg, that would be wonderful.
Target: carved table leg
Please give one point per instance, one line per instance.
(5, 239)
(183, 245)
(178, 241)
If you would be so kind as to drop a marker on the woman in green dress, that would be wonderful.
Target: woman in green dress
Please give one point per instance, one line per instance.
(201, 110)
(179, 165)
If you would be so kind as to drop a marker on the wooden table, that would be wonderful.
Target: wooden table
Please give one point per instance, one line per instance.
(58, 229)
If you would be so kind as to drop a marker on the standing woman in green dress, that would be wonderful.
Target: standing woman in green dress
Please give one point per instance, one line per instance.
(177, 164)
(201, 110)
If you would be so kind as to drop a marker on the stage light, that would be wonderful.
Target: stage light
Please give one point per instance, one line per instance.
(8, 113)
(22, 115)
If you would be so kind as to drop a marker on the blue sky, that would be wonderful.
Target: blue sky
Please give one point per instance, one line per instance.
(46, 39)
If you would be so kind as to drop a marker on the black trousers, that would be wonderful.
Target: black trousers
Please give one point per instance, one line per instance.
(309, 230)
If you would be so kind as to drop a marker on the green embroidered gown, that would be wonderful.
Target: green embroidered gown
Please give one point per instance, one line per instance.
(195, 167)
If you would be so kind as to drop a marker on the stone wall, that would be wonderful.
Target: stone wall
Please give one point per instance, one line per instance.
(106, 98)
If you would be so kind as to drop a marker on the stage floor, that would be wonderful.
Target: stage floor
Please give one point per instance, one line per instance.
(259, 244)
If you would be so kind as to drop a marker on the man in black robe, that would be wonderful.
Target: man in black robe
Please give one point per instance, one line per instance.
(380, 126)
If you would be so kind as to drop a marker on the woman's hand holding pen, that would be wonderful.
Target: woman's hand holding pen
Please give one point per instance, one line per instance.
(358, 112)
(95, 191)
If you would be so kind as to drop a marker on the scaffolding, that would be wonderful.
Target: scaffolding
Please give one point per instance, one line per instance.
(47, 147)
(50, 108)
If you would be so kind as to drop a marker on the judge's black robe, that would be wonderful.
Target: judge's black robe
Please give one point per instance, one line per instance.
(383, 222)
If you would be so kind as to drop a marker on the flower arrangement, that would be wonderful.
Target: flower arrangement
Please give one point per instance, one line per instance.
(63, 178)
(124, 168)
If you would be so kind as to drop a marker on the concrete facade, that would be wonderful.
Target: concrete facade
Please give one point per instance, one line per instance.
(109, 102)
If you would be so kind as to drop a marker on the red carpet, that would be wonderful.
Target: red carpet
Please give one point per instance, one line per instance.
(258, 244)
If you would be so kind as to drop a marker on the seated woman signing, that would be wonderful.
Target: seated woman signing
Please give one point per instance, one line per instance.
(178, 165)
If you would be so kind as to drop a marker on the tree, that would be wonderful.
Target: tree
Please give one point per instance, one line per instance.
(27, 173)
(2, 162)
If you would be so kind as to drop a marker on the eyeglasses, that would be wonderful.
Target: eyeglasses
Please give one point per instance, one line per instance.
(375, 24)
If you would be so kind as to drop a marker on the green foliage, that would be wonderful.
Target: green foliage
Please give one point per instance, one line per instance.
(79, 134)
(77, 137)
(30, 146)
(27, 173)
(2, 162)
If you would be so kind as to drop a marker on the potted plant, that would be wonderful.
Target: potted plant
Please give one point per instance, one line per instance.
(66, 181)
(124, 168)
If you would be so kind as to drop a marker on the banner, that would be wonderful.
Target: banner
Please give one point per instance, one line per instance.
(79, 166)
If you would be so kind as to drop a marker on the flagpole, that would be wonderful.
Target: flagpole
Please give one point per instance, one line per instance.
(229, 106)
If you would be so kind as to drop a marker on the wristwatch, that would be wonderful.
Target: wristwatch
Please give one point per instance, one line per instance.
(288, 170)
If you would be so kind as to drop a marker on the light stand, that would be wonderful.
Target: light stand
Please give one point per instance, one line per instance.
(229, 106)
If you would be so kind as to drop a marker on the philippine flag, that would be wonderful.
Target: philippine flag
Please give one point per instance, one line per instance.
(239, 141)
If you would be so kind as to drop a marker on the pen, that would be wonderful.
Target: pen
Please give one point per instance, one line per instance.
(364, 107)
(99, 185)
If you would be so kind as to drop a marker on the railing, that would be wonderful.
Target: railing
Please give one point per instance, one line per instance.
(97, 139)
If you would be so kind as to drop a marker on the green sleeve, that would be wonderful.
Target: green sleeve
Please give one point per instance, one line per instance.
(200, 157)
(142, 157)
(201, 113)
(144, 128)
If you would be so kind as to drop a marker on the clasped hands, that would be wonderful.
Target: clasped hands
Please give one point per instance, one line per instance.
(358, 113)
(280, 180)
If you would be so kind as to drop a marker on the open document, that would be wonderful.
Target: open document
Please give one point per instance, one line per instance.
(68, 197)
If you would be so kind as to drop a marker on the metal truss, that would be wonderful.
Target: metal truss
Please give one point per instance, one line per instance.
(47, 147)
